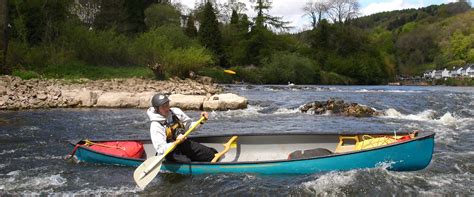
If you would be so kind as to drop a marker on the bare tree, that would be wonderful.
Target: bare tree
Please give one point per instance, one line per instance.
(343, 10)
(316, 10)
(86, 10)
(224, 10)
(3, 35)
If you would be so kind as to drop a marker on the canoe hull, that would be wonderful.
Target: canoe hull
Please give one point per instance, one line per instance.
(411, 155)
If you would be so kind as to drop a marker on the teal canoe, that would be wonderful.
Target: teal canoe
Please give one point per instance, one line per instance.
(289, 153)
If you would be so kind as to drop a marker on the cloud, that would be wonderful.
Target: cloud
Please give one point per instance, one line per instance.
(389, 6)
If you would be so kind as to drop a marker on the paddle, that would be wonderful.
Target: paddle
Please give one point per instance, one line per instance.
(148, 170)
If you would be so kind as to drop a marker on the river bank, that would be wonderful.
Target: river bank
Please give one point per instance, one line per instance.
(198, 94)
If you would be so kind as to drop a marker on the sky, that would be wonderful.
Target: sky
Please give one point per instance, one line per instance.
(291, 10)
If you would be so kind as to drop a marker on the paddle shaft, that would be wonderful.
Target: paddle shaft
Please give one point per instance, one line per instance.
(173, 146)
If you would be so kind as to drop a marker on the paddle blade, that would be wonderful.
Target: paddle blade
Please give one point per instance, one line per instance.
(152, 165)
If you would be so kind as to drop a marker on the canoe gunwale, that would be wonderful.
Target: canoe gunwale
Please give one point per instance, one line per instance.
(421, 136)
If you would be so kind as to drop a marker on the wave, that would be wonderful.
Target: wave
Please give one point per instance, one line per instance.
(14, 182)
(252, 111)
(422, 116)
(447, 119)
(7, 152)
(387, 91)
(332, 183)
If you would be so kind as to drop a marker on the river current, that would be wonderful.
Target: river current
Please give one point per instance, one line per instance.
(33, 144)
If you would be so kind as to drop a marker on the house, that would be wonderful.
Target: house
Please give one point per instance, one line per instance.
(469, 71)
(438, 74)
(445, 73)
(457, 72)
(428, 74)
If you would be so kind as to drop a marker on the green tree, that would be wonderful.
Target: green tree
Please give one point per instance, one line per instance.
(161, 14)
(234, 19)
(38, 21)
(263, 19)
(112, 14)
(191, 30)
(209, 34)
(3, 36)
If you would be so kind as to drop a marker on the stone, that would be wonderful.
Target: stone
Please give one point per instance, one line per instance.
(338, 107)
(225, 102)
(117, 99)
(187, 102)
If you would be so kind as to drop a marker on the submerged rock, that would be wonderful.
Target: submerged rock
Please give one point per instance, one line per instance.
(338, 107)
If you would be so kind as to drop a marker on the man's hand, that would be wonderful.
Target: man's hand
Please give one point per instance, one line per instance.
(180, 139)
(205, 115)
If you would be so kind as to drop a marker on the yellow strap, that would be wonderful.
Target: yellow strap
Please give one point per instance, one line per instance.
(90, 143)
(227, 146)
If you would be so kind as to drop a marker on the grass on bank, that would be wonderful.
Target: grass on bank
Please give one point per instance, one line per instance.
(77, 70)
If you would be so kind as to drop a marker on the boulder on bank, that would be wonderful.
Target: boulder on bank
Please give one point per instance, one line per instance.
(190, 102)
(187, 94)
(338, 107)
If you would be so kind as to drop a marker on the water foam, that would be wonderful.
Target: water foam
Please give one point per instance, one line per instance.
(422, 116)
(286, 111)
(331, 183)
(250, 111)
(387, 91)
(7, 152)
(40, 183)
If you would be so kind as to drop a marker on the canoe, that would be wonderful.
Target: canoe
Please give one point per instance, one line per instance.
(288, 153)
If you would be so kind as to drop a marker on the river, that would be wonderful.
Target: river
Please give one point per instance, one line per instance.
(33, 145)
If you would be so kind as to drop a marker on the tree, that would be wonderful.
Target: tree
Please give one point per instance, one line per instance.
(3, 36)
(343, 10)
(125, 16)
(38, 21)
(316, 11)
(264, 20)
(209, 34)
(190, 29)
(234, 19)
(161, 14)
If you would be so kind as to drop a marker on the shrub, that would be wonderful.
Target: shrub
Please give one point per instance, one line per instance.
(217, 73)
(25, 74)
(284, 67)
(107, 48)
(168, 52)
(180, 62)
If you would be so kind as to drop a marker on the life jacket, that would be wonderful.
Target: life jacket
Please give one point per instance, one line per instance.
(173, 129)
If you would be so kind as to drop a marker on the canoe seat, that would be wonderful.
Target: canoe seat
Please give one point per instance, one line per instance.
(301, 154)
(347, 143)
(230, 144)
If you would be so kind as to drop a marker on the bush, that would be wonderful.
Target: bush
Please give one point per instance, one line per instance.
(216, 73)
(25, 74)
(169, 52)
(330, 78)
(248, 74)
(180, 62)
(107, 48)
(284, 67)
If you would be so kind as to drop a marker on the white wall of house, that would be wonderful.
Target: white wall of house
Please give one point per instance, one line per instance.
(470, 71)
(445, 73)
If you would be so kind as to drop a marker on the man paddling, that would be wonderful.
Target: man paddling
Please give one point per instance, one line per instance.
(168, 126)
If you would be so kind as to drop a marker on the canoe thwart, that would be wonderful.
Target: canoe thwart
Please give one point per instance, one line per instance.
(230, 144)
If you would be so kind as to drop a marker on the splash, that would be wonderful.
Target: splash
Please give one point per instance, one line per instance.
(14, 182)
(286, 111)
(331, 183)
(423, 116)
